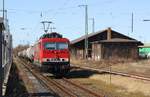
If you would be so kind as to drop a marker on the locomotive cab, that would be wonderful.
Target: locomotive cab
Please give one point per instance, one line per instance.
(53, 53)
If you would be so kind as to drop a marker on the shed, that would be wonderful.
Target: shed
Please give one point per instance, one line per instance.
(106, 44)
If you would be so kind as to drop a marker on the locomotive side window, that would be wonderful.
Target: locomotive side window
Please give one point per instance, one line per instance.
(62, 45)
(50, 45)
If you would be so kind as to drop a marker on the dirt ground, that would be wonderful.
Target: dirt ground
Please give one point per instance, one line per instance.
(140, 67)
(129, 84)
(123, 87)
(127, 87)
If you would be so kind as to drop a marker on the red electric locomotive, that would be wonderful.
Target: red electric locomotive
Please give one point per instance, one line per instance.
(51, 53)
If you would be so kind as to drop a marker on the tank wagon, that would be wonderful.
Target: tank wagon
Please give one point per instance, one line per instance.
(30, 53)
(23, 53)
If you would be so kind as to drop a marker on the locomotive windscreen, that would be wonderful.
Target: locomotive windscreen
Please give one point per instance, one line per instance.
(56, 45)
(51, 35)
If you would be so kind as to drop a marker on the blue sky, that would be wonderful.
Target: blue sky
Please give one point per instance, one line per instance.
(68, 18)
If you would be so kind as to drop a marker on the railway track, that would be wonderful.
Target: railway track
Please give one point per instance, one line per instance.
(49, 84)
(63, 87)
(116, 73)
(85, 89)
(39, 79)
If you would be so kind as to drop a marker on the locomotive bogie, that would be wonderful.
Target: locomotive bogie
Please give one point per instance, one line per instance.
(56, 67)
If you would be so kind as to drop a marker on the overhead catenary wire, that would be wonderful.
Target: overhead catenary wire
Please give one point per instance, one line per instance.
(65, 8)
(41, 13)
(65, 3)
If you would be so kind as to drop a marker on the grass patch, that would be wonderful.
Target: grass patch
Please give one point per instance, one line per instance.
(109, 90)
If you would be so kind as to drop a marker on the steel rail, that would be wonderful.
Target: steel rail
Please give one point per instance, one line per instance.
(63, 88)
(117, 73)
(83, 88)
(46, 81)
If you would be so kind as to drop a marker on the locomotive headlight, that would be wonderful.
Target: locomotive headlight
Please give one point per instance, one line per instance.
(66, 59)
(44, 59)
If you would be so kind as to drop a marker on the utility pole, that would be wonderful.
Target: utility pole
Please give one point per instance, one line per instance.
(93, 24)
(3, 9)
(44, 25)
(86, 30)
(52, 28)
(132, 23)
(4, 13)
(110, 70)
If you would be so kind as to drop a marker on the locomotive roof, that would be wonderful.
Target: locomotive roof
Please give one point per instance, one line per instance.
(51, 35)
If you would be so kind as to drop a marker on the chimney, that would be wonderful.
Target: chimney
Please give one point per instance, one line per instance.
(109, 33)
